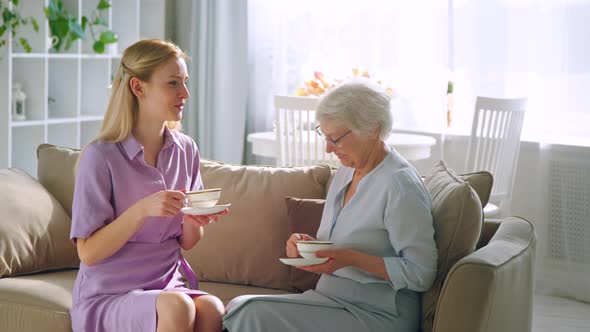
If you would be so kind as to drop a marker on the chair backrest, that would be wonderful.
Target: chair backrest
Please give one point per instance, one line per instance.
(495, 142)
(297, 142)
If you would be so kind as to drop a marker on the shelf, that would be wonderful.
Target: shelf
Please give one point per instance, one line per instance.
(27, 123)
(30, 73)
(89, 131)
(73, 7)
(66, 91)
(24, 148)
(63, 134)
(29, 55)
(36, 40)
(126, 26)
(64, 56)
(61, 120)
(62, 88)
(91, 118)
(94, 93)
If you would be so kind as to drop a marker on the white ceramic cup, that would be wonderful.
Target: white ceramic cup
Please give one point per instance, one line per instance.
(307, 249)
(202, 198)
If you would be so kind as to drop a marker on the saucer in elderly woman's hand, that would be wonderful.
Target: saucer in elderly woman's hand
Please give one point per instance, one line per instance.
(196, 211)
(303, 261)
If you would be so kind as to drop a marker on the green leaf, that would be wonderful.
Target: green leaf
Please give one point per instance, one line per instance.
(98, 47)
(35, 24)
(7, 15)
(49, 14)
(15, 2)
(84, 22)
(76, 29)
(103, 4)
(108, 37)
(25, 44)
(61, 27)
(100, 21)
(2, 30)
(53, 7)
(69, 42)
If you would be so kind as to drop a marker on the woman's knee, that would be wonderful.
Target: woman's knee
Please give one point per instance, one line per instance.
(209, 305)
(175, 306)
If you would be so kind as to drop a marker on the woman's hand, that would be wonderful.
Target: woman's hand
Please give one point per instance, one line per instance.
(342, 257)
(337, 259)
(203, 220)
(165, 203)
(291, 247)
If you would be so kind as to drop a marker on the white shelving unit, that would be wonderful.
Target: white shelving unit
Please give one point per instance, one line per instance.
(66, 92)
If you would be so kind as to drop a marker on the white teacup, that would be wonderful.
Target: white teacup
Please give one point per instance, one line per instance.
(202, 198)
(307, 249)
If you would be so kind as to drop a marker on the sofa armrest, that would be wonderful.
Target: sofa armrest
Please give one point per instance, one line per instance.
(492, 289)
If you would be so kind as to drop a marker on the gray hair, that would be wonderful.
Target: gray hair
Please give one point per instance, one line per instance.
(360, 105)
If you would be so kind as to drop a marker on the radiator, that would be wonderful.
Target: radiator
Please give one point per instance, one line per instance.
(565, 260)
(569, 208)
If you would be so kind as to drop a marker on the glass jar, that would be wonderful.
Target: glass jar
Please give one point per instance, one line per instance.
(18, 103)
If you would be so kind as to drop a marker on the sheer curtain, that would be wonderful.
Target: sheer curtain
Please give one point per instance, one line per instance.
(402, 44)
(215, 34)
(538, 49)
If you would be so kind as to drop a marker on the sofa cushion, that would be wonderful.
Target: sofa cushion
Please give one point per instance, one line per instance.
(304, 216)
(245, 245)
(38, 302)
(56, 172)
(482, 183)
(458, 217)
(34, 228)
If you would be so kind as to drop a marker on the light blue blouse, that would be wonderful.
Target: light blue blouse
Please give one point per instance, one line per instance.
(388, 216)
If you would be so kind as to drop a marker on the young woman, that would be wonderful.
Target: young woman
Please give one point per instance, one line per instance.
(129, 191)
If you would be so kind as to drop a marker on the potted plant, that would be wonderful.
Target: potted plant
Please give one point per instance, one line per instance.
(12, 20)
(66, 28)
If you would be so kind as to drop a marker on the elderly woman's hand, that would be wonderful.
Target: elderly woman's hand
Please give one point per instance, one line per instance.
(291, 247)
(337, 259)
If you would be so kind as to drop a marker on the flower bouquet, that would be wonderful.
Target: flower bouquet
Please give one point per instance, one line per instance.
(319, 85)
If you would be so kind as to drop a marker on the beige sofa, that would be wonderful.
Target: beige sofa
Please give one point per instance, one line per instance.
(489, 289)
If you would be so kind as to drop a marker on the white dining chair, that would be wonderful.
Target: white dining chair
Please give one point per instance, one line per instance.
(494, 146)
(298, 143)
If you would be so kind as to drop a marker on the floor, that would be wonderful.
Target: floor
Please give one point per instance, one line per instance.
(555, 314)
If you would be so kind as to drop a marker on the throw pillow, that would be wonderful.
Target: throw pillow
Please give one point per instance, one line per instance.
(56, 172)
(244, 247)
(304, 217)
(457, 215)
(34, 228)
(482, 183)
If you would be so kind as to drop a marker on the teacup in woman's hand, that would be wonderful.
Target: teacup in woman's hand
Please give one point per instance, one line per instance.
(307, 249)
(202, 198)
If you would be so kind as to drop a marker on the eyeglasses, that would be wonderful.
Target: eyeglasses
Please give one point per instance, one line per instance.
(329, 140)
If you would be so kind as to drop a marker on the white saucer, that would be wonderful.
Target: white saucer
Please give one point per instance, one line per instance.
(204, 211)
(303, 261)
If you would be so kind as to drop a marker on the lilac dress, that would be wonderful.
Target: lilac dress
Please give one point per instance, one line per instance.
(119, 293)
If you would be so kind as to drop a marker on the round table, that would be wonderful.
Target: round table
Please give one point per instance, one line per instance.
(410, 146)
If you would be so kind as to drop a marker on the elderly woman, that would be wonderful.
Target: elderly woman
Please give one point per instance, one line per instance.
(377, 213)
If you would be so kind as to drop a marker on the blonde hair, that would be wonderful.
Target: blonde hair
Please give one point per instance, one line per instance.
(139, 60)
